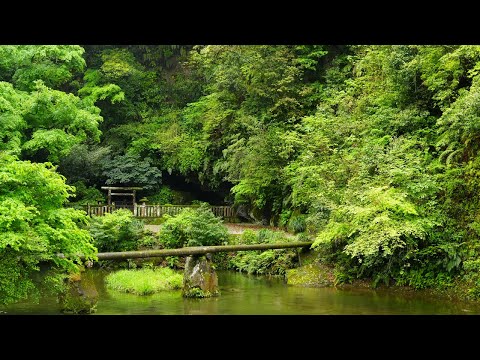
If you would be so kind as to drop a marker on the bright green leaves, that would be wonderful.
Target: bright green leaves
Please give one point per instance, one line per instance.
(193, 227)
(459, 126)
(14, 215)
(59, 121)
(362, 175)
(309, 55)
(55, 65)
(448, 69)
(118, 231)
(35, 227)
(118, 63)
(92, 91)
(255, 169)
(56, 142)
(12, 123)
(37, 119)
(380, 230)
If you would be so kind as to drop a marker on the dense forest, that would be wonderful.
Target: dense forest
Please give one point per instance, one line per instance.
(371, 151)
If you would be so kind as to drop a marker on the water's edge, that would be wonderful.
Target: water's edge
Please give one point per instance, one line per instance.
(243, 294)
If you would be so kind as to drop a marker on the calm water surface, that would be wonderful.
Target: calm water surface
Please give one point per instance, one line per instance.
(243, 294)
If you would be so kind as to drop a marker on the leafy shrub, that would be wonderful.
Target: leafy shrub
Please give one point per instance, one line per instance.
(266, 236)
(148, 240)
(118, 231)
(35, 226)
(303, 237)
(284, 217)
(193, 227)
(248, 237)
(164, 196)
(472, 278)
(267, 262)
(297, 224)
(130, 169)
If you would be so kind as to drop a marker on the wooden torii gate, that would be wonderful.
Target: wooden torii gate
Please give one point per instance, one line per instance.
(133, 190)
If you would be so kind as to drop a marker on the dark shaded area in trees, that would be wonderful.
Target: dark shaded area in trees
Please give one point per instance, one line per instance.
(196, 191)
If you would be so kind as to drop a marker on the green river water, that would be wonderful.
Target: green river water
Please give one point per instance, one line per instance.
(243, 294)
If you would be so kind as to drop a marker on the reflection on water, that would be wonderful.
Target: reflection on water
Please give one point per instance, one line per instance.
(243, 294)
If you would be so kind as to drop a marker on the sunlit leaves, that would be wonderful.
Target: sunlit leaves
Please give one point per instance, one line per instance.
(35, 226)
(193, 227)
(37, 118)
(55, 65)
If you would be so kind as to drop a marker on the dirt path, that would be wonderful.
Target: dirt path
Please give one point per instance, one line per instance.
(241, 227)
(153, 228)
(232, 228)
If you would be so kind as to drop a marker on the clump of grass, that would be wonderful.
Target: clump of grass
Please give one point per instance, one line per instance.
(144, 281)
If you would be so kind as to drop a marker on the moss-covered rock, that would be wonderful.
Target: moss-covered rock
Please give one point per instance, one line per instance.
(200, 279)
(311, 275)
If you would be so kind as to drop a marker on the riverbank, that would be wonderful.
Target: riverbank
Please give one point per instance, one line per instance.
(320, 275)
(315, 274)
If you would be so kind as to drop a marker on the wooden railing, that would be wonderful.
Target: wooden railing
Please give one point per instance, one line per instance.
(153, 211)
(98, 210)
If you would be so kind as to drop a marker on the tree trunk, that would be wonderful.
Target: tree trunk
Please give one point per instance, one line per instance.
(195, 250)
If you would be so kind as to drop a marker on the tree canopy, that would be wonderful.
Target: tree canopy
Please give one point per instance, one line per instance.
(372, 150)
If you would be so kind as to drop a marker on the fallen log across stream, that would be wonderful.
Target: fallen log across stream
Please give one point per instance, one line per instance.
(195, 250)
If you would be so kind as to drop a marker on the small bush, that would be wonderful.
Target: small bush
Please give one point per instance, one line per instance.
(164, 196)
(247, 237)
(144, 281)
(267, 262)
(297, 224)
(303, 236)
(193, 227)
(148, 241)
(284, 217)
(472, 278)
(118, 231)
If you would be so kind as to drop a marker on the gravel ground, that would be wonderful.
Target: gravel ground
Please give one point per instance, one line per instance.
(153, 228)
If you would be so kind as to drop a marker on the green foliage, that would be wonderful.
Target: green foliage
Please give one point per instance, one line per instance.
(92, 92)
(193, 227)
(36, 226)
(41, 119)
(130, 170)
(85, 164)
(144, 281)
(472, 277)
(55, 65)
(117, 231)
(86, 195)
(371, 150)
(164, 196)
(297, 224)
(268, 262)
(148, 241)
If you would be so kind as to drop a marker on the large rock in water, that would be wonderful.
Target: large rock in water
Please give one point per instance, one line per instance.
(199, 278)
